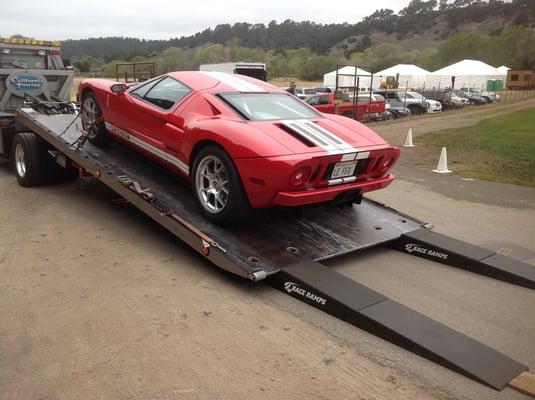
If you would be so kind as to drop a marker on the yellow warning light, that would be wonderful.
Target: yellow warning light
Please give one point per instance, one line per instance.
(31, 41)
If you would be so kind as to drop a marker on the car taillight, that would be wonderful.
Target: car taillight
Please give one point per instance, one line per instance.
(383, 165)
(300, 176)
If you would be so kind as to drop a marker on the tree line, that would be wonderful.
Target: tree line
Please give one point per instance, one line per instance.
(513, 47)
(418, 16)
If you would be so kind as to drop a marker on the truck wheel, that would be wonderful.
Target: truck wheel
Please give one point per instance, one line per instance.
(217, 186)
(91, 115)
(26, 159)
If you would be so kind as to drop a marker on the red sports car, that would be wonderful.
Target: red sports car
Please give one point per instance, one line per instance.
(239, 141)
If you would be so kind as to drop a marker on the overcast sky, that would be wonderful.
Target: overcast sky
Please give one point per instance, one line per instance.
(163, 19)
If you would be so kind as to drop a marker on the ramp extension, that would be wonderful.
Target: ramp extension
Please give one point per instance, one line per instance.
(447, 250)
(352, 302)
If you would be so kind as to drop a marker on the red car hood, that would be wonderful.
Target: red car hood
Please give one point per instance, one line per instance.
(331, 134)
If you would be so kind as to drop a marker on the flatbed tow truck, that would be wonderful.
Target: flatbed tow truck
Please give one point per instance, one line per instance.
(286, 249)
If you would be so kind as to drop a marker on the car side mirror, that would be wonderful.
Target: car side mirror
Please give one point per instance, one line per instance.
(118, 88)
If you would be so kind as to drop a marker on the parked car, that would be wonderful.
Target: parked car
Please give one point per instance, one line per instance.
(456, 99)
(240, 142)
(448, 98)
(374, 98)
(480, 97)
(364, 108)
(400, 112)
(398, 99)
(324, 89)
(432, 106)
(303, 93)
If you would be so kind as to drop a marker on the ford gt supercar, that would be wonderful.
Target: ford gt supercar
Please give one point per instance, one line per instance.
(239, 141)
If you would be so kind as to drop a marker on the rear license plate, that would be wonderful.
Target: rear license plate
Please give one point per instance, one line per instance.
(343, 169)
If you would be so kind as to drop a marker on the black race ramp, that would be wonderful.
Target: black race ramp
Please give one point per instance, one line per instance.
(447, 250)
(350, 301)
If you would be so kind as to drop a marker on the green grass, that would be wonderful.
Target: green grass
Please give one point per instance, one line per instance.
(500, 149)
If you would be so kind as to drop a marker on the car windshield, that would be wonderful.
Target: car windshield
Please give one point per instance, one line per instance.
(269, 106)
(378, 97)
(417, 95)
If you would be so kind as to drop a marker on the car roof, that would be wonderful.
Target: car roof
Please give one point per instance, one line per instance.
(222, 82)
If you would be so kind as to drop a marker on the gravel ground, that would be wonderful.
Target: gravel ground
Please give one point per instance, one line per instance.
(99, 302)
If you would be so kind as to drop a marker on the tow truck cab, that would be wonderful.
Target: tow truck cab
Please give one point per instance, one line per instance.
(29, 67)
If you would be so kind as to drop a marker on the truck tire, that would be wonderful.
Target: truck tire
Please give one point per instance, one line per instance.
(91, 113)
(26, 159)
(217, 187)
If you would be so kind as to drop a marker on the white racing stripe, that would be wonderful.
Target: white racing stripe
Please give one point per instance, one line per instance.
(234, 81)
(335, 139)
(312, 137)
(319, 136)
(148, 147)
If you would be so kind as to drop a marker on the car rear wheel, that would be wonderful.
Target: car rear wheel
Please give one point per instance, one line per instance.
(92, 121)
(217, 186)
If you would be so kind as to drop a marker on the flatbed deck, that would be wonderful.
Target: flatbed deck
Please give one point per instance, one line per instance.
(255, 249)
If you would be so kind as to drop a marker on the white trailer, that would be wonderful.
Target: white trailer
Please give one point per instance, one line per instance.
(252, 69)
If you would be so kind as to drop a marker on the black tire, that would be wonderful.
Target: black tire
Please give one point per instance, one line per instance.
(389, 116)
(27, 159)
(237, 205)
(415, 110)
(97, 133)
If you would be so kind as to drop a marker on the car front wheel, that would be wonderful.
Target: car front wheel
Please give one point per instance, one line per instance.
(93, 122)
(217, 186)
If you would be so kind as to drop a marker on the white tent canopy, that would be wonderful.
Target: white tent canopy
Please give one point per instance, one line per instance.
(346, 77)
(467, 73)
(409, 75)
(503, 69)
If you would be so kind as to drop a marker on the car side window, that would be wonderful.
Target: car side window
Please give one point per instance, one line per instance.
(166, 93)
(313, 101)
(323, 100)
(141, 91)
(391, 96)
